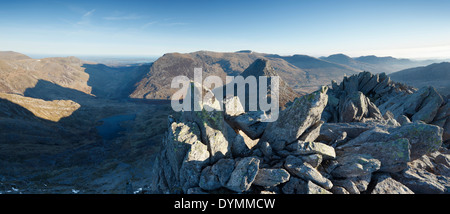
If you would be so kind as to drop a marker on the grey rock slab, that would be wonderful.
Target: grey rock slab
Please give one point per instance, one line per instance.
(305, 171)
(243, 174)
(354, 165)
(297, 118)
(385, 184)
(271, 177)
(307, 148)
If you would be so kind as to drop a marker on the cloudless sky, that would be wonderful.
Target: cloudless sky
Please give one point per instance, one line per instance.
(408, 29)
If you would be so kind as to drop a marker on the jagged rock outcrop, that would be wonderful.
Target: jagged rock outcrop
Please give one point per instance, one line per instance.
(300, 154)
(368, 97)
(303, 113)
(359, 95)
(355, 106)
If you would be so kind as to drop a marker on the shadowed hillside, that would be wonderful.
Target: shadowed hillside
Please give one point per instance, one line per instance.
(436, 75)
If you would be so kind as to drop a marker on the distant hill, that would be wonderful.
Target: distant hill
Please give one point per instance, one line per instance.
(351, 62)
(320, 72)
(19, 72)
(375, 64)
(436, 75)
(11, 55)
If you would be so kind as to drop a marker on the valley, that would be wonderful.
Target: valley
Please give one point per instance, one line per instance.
(62, 126)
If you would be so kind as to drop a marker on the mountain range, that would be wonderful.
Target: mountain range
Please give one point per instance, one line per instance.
(52, 109)
(301, 72)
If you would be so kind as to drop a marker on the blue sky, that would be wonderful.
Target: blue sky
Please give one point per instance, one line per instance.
(413, 29)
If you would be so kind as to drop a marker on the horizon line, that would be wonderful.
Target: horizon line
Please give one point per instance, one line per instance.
(127, 55)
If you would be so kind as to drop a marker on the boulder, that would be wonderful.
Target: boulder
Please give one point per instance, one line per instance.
(294, 186)
(265, 148)
(242, 145)
(196, 191)
(423, 138)
(362, 182)
(196, 158)
(429, 107)
(371, 84)
(307, 148)
(232, 106)
(373, 135)
(420, 181)
(300, 186)
(353, 108)
(208, 180)
(443, 159)
(403, 120)
(356, 106)
(423, 105)
(348, 185)
(250, 123)
(385, 184)
(330, 132)
(208, 114)
(355, 165)
(180, 139)
(243, 174)
(339, 190)
(223, 169)
(413, 102)
(314, 160)
(178, 166)
(393, 155)
(303, 113)
(312, 132)
(305, 171)
(350, 84)
(312, 188)
(271, 177)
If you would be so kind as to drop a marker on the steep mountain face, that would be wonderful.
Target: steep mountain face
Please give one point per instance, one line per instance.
(303, 73)
(156, 84)
(436, 75)
(114, 82)
(262, 67)
(375, 64)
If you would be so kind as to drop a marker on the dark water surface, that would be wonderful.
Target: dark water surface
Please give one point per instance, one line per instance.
(111, 128)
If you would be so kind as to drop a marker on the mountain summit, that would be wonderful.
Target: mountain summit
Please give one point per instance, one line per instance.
(262, 67)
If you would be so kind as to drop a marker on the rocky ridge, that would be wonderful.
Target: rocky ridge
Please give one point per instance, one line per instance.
(343, 140)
